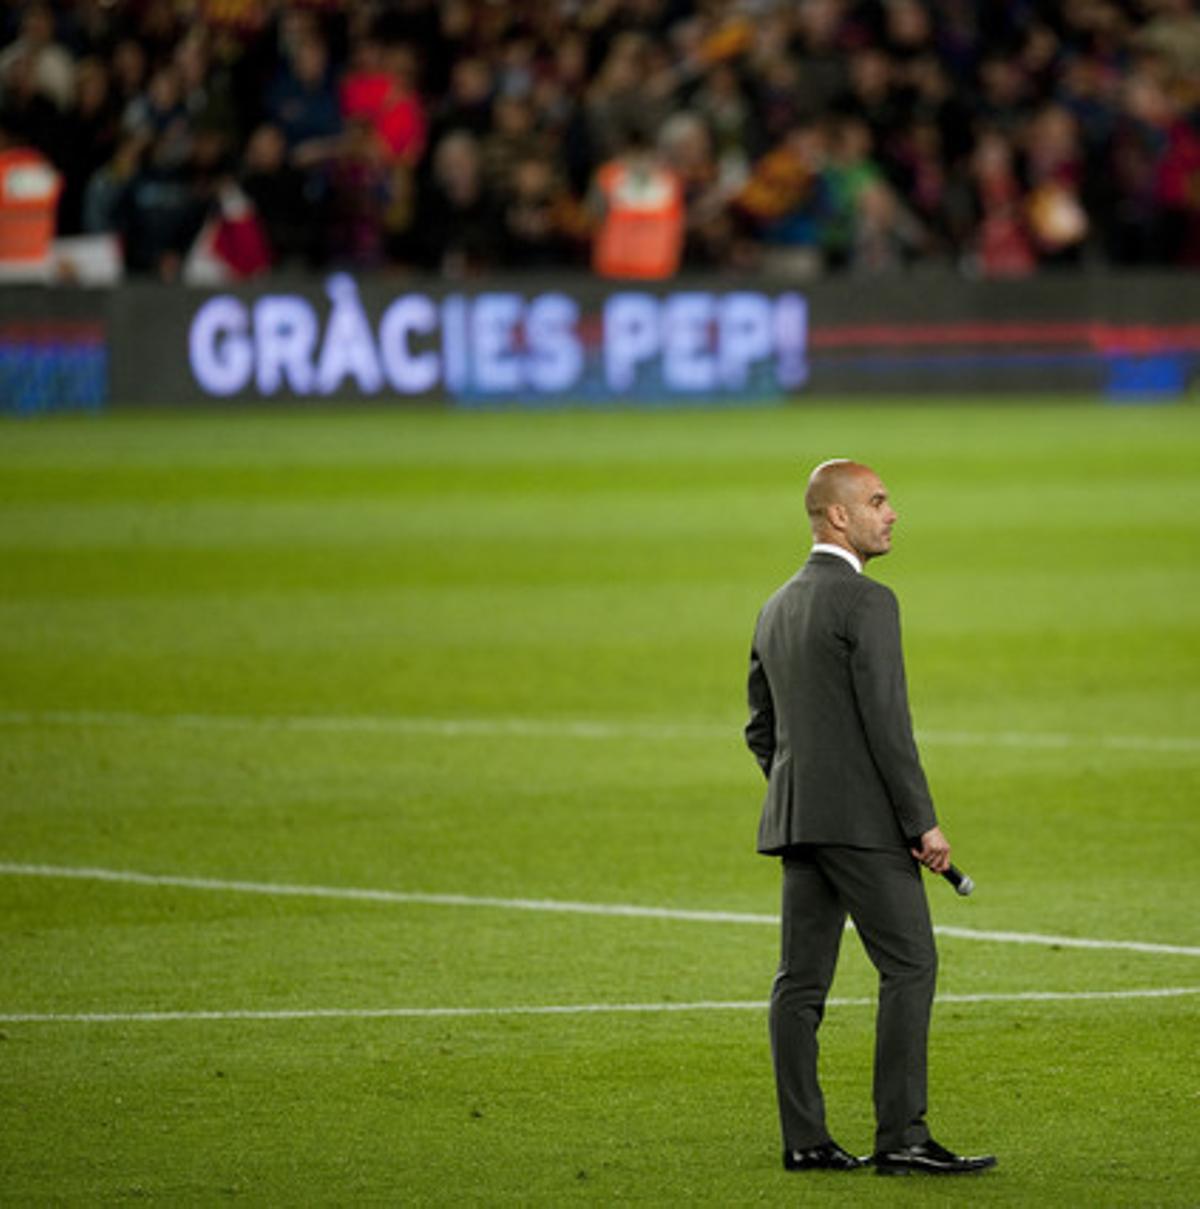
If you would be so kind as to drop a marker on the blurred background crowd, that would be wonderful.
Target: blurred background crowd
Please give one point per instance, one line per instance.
(469, 136)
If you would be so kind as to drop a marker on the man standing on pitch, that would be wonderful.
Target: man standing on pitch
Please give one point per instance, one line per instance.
(848, 809)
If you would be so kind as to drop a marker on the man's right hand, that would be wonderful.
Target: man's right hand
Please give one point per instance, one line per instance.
(934, 852)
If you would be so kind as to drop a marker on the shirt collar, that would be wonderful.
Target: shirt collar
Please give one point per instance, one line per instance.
(840, 552)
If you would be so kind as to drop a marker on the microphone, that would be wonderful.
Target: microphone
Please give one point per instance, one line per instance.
(961, 881)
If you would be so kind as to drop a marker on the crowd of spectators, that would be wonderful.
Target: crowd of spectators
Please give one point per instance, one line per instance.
(464, 136)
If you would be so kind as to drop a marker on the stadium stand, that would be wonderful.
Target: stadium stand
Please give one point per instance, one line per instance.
(462, 136)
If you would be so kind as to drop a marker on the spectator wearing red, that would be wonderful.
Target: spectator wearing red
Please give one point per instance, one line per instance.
(29, 188)
(380, 89)
(1002, 243)
(642, 216)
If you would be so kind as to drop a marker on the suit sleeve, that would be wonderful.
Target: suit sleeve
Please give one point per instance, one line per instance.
(760, 730)
(881, 692)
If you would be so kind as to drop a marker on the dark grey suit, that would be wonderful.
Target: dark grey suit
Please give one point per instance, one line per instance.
(830, 728)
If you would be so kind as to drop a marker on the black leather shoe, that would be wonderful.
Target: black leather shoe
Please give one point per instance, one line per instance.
(829, 1156)
(929, 1158)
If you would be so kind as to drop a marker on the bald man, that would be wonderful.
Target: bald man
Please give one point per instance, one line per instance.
(849, 812)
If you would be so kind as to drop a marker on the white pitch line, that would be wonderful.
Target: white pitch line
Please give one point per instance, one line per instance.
(561, 728)
(567, 1009)
(1057, 741)
(1064, 942)
(560, 906)
(283, 889)
(447, 728)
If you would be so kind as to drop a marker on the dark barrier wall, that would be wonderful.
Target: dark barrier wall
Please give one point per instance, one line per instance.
(542, 342)
(1115, 336)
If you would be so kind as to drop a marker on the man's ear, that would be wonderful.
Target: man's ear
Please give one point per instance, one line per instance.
(837, 515)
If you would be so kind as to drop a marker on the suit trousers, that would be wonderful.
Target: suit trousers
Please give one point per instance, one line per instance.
(881, 890)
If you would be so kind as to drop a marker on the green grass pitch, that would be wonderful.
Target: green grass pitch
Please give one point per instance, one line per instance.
(502, 656)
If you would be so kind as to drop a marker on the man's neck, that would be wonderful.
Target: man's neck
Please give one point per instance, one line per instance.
(839, 551)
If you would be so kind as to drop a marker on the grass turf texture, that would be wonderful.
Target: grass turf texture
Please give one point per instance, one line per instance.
(573, 567)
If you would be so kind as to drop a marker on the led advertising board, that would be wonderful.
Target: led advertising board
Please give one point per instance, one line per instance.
(500, 346)
(550, 341)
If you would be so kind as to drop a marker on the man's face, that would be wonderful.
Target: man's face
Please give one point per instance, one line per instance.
(869, 516)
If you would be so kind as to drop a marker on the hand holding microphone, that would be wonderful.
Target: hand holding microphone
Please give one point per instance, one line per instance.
(932, 849)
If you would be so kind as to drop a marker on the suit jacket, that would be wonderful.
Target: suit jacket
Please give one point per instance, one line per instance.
(829, 718)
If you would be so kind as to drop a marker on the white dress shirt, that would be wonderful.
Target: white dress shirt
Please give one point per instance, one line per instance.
(840, 551)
